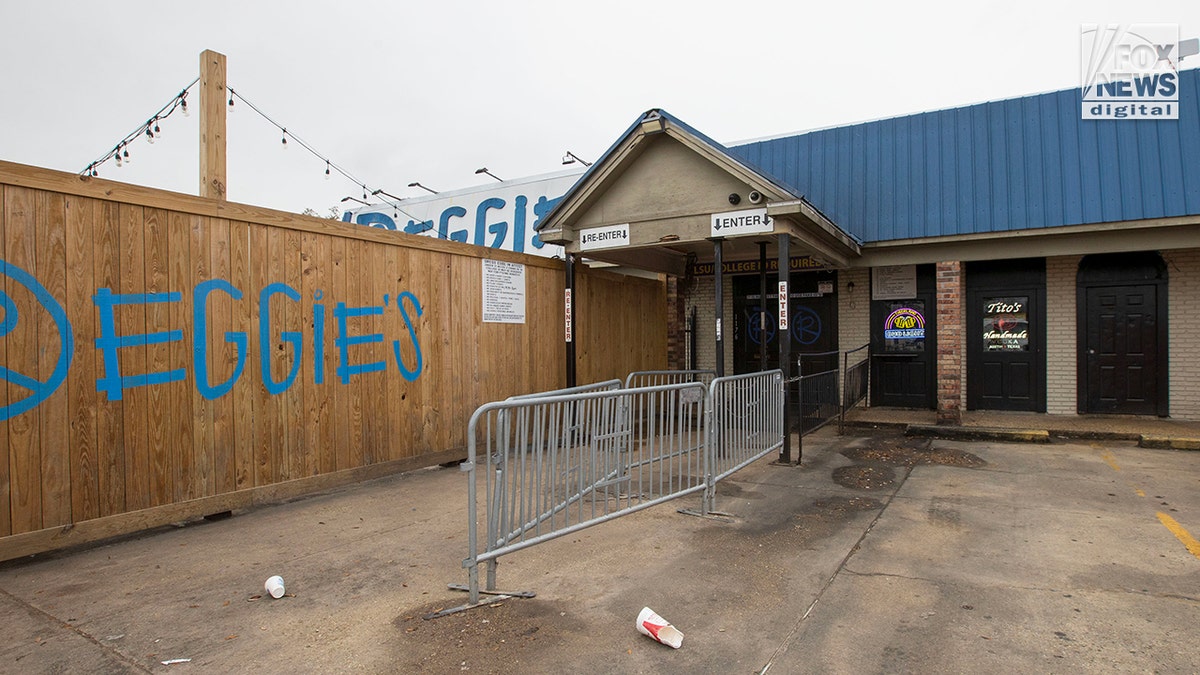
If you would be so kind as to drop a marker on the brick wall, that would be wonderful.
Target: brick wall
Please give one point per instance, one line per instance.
(1183, 307)
(1062, 346)
(951, 366)
(701, 296)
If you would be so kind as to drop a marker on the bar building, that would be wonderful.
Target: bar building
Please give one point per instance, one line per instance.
(1008, 255)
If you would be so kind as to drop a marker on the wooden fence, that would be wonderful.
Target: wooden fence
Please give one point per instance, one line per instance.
(166, 357)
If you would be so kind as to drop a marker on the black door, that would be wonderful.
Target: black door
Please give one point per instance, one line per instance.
(812, 321)
(1122, 350)
(1006, 335)
(1123, 364)
(904, 347)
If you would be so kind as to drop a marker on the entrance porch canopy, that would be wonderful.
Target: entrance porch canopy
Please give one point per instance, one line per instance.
(649, 204)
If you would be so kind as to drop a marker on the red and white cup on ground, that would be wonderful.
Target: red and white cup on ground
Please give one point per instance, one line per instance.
(657, 628)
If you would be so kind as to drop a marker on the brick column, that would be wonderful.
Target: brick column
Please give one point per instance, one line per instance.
(950, 342)
(676, 352)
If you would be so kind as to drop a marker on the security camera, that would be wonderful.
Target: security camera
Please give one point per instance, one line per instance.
(734, 198)
(755, 197)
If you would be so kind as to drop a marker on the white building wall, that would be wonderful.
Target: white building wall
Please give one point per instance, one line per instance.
(854, 308)
(1183, 308)
(1062, 348)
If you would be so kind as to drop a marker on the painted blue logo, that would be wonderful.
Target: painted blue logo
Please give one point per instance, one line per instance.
(39, 390)
(113, 380)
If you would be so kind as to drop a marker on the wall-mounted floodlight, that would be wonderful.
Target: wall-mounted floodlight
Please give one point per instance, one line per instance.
(484, 170)
(417, 184)
(381, 191)
(571, 158)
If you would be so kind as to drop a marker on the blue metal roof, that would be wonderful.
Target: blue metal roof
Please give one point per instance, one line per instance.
(1017, 164)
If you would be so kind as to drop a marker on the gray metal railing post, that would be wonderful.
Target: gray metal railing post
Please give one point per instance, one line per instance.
(800, 408)
(708, 502)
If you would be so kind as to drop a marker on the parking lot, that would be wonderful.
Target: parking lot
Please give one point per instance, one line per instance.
(880, 553)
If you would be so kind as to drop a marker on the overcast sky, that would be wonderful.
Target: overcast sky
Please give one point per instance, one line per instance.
(397, 92)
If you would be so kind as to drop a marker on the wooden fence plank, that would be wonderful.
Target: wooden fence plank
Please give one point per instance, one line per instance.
(266, 449)
(317, 441)
(23, 429)
(297, 452)
(221, 357)
(353, 385)
(204, 471)
(323, 419)
(81, 384)
(341, 400)
(182, 418)
(244, 428)
(158, 358)
(277, 358)
(110, 423)
(5, 490)
(53, 435)
(393, 416)
(132, 319)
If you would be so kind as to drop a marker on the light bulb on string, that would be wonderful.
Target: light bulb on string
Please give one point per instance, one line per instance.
(364, 193)
(125, 155)
(326, 169)
(230, 100)
(283, 140)
(183, 105)
(157, 131)
(149, 135)
(117, 156)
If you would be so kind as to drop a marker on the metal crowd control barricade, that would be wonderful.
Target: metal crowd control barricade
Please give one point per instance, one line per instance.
(654, 378)
(745, 424)
(553, 465)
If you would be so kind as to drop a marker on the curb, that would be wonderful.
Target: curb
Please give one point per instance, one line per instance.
(1168, 442)
(978, 433)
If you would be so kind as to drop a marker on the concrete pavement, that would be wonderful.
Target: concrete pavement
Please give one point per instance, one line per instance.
(879, 554)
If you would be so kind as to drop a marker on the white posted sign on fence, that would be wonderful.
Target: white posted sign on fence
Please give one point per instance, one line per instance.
(503, 292)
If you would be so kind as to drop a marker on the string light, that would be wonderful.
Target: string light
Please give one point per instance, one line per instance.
(150, 129)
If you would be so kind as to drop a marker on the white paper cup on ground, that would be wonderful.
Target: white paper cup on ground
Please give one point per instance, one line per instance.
(274, 586)
(658, 629)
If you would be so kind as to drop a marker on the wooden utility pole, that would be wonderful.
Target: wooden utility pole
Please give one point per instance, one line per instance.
(212, 125)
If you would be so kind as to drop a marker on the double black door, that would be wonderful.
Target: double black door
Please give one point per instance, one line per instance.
(812, 322)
